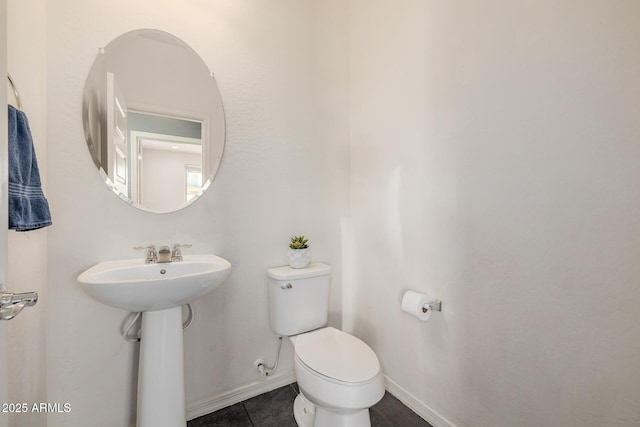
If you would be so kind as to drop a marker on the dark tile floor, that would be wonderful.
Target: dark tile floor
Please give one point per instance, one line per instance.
(275, 409)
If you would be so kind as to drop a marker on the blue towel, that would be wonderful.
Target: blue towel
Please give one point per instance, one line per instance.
(28, 208)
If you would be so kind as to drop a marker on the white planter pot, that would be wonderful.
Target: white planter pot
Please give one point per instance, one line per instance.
(299, 258)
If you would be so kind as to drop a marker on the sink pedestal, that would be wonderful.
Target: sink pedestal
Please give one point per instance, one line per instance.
(161, 401)
(157, 291)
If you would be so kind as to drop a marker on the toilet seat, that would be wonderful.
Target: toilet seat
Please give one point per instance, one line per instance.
(336, 355)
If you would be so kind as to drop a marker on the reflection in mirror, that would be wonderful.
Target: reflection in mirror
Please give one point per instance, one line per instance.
(153, 120)
(166, 152)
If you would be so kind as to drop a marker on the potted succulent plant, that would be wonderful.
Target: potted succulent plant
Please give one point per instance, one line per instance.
(299, 254)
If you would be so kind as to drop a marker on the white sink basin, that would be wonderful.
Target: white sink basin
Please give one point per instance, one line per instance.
(135, 286)
(158, 291)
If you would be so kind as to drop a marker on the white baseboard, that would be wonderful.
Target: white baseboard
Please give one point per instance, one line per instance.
(228, 398)
(242, 393)
(416, 405)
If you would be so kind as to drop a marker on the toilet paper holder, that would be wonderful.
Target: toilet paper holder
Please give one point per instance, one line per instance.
(435, 305)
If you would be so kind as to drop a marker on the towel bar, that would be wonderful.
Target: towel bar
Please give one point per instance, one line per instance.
(15, 91)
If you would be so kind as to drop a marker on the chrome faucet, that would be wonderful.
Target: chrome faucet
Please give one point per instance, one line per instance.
(164, 255)
(176, 255)
(152, 255)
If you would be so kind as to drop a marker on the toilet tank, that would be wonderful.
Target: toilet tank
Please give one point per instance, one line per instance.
(298, 298)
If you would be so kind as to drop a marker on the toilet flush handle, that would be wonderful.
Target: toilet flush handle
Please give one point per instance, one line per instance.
(287, 286)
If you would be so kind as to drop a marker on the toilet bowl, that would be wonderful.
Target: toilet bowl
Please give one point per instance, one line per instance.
(339, 378)
(338, 374)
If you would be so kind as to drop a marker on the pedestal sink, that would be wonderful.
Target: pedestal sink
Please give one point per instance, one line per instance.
(158, 290)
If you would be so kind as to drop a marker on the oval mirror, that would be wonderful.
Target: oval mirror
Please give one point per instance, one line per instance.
(153, 120)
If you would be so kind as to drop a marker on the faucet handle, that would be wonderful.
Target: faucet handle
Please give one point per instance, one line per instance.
(151, 256)
(176, 254)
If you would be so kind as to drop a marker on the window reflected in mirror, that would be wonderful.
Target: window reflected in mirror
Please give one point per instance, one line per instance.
(193, 181)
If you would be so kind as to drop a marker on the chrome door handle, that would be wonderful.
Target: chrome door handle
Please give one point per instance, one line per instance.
(11, 304)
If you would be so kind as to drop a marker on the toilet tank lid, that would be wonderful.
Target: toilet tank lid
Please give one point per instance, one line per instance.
(287, 273)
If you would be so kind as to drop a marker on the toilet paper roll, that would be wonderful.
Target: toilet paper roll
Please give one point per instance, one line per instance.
(413, 303)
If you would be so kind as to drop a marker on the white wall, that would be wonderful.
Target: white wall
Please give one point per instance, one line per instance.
(4, 337)
(164, 178)
(284, 172)
(494, 164)
(26, 60)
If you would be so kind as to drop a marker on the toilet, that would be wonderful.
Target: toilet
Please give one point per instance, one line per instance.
(339, 375)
